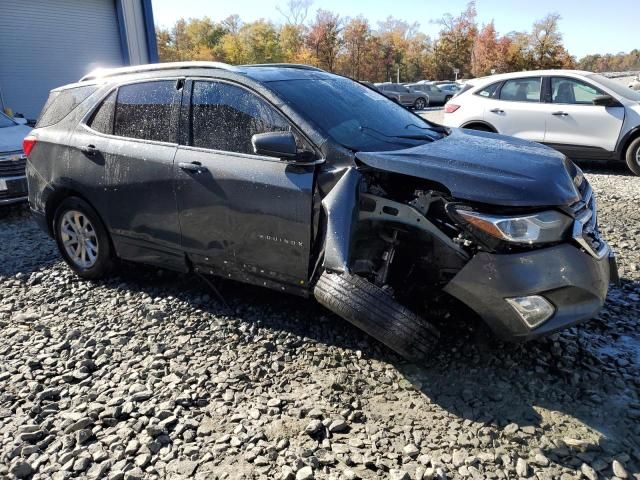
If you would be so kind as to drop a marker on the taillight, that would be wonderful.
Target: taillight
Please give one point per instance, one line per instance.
(450, 108)
(28, 143)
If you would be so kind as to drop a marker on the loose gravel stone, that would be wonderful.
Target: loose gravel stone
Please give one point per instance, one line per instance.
(147, 375)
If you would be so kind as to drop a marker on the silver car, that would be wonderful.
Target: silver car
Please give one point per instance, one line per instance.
(403, 95)
(434, 94)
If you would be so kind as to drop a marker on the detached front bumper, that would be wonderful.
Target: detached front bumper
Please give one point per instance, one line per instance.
(574, 282)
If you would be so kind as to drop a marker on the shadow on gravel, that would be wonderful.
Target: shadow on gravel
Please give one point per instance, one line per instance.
(604, 167)
(472, 375)
(20, 235)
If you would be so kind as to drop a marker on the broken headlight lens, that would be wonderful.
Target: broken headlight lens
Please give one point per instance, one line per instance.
(543, 227)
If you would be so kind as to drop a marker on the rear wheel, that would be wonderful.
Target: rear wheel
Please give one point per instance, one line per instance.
(373, 310)
(420, 103)
(633, 156)
(82, 238)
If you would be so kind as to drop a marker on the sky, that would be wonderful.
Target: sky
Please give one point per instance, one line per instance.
(588, 26)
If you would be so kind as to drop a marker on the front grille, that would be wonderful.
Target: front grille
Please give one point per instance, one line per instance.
(12, 166)
(585, 227)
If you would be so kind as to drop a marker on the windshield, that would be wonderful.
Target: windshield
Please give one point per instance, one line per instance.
(617, 87)
(354, 115)
(6, 121)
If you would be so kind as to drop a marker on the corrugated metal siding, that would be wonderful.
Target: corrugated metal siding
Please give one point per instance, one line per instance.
(48, 43)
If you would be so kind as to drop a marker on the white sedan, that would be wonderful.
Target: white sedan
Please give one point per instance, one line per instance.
(582, 114)
(13, 184)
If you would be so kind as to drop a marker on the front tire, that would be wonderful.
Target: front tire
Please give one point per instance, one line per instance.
(633, 156)
(373, 310)
(82, 238)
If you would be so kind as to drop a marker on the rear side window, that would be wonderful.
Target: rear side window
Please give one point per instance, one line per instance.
(102, 120)
(225, 117)
(487, 92)
(61, 103)
(521, 90)
(143, 110)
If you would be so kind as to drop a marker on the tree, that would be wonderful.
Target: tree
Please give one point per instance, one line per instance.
(546, 44)
(295, 11)
(485, 51)
(324, 38)
(455, 46)
(356, 35)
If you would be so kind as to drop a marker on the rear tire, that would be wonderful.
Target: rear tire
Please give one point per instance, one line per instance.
(479, 127)
(374, 311)
(420, 104)
(82, 238)
(633, 156)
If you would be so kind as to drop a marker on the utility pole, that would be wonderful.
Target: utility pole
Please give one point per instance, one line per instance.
(398, 76)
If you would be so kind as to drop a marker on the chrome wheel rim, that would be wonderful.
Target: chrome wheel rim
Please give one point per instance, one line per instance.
(638, 156)
(79, 239)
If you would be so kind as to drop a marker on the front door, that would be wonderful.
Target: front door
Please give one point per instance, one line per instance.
(574, 121)
(242, 215)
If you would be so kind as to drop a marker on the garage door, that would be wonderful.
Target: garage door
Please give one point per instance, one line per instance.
(48, 43)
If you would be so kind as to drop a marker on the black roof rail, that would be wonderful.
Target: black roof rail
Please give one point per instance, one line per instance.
(154, 67)
(299, 66)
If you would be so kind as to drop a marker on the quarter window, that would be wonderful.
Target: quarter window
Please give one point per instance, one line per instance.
(521, 90)
(489, 91)
(143, 110)
(102, 120)
(572, 91)
(225, 117)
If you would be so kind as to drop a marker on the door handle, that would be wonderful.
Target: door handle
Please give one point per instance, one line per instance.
(560, 114)
(195, 167)
(496, 110)
(89, 150)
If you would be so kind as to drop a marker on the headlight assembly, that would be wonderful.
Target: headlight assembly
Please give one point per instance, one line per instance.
(543, 227)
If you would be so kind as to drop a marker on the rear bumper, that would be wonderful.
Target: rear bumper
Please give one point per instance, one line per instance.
(574, 282)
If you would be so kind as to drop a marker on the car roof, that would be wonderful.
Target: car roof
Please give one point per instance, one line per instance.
(530, 73)
(259, 72)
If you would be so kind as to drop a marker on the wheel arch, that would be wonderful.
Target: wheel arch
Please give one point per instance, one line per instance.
(57, 197)
(471, 123)
(625, 141)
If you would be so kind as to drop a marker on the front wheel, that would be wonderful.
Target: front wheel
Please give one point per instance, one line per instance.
(633, 156)
(82, 238)
(373, 310)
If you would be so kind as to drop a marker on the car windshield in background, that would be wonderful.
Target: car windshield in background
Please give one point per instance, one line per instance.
(6, 121)
(354, 115)
(617, 87)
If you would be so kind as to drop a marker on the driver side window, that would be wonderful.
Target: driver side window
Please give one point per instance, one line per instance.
(225, 117)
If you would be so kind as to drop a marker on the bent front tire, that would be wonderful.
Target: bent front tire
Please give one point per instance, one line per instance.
(633, 156)
(374, 311)
(82, 238)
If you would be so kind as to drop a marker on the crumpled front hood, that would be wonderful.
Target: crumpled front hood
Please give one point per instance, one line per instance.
(487, 168)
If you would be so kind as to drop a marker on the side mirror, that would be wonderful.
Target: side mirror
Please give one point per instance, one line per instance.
(275, 144)
(606, 101)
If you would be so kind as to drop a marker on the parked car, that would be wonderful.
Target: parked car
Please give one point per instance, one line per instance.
(13, 184)
(403, 95)
(635, 84)
(582, 114)
(302, 181)
(435, 96)
(452, 88)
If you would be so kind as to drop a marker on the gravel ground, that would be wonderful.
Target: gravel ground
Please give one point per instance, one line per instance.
(146, 375)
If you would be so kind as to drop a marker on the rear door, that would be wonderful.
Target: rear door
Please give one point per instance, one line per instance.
(242, 215)
(573, 120)
(516, 109)
(128, 147)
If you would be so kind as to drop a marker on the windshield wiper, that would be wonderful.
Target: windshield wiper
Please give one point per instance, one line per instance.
(435, 128)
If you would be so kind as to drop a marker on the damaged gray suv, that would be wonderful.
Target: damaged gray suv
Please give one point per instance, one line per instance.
(305, 182)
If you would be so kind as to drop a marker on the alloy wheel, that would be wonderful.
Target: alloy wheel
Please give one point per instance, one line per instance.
(79, 239)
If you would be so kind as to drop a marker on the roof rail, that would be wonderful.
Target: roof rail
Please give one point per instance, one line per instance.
(285, 65)
(153, 67)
